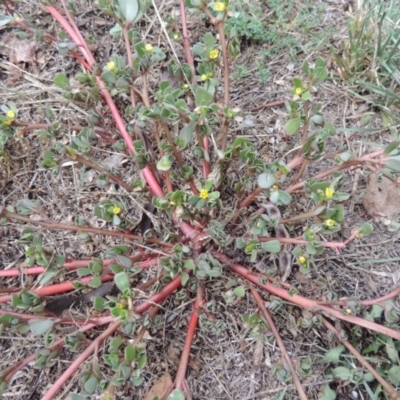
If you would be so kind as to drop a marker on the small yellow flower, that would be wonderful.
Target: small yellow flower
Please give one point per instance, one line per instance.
(185, 86)
(330, 222)
(7, 122)
(298, 91)
(112, 66)
(220, 6)
(329, 192)
(302, 260)
(204, 77)
(211, 74)
(148, 48)
(116, 210)
(10, 114)
(204, 194)
(121, 306)
(348, 311)
(214, 54)
(275, 187)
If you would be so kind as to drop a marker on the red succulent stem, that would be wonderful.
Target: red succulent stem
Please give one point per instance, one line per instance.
(304, 302)
(49, 395)
(194, 319)
(155, 187)
(152, 259)
(160, 296)
(58, 288)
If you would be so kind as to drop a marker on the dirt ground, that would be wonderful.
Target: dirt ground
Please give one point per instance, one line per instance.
(225, 363)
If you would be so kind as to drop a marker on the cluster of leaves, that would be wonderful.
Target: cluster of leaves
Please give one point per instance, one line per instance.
(382, 350)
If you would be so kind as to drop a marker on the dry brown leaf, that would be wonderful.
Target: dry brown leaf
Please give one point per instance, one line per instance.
(160, 386)
(17, 50)
(381, 198)
(258, 353)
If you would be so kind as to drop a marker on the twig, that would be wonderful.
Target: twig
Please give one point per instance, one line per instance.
(78, 228)
(281, 345)
(394, 395)
(269, 105)
(365, 303)
(186, 42)
(102, 170)
(225, 120)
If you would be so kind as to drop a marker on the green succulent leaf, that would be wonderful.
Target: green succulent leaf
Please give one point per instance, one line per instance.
(39, 328)
(292, 126)
(122, 281)
(129, 9)
(176, 394)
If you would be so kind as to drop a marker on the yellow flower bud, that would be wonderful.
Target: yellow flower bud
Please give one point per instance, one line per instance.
(204, 194)
(204, 77)
(112, 66)
(329, 192)
(148, 48)
(220, 6)
(298, 91)
(214, 54)
(302, 260)
(116, 210)
(10, 114)
(330, 222)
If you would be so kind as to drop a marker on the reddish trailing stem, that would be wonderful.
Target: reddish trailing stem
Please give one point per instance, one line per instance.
(58, 288)
(194, 319)
(73, 265)
(152, 182)
(80, 360)
(305, 302)
(160, 296)
(157, 298)
(332, 245)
